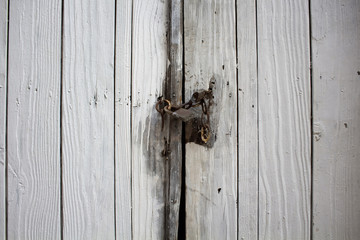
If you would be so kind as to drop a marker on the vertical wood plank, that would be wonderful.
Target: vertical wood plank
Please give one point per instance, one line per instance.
(211, 172)
(88, 119)
(3, 74)
(247, 121)
(175, 128)
(284, 119)
(34, 120)
(123, 118)
(336, 124)
(149, 73)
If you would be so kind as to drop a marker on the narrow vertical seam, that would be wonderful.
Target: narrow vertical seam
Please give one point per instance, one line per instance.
(60, 123)
(182, 208)
(257, 116)
(167, 92)
(183, 125)
(131, 113)
(237, 121)
(311, 126)
(114, 117)
(6, 122)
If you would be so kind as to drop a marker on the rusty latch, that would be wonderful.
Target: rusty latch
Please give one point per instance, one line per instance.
(184, 113)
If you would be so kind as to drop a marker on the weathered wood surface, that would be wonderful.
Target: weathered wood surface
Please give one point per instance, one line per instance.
(92, 126)
(88, 120)
(284, 119)
(247, 121)
(336, 129)
(149, 73)
(33, 138)
(174, 93)
(3, 78)
(123, 119)
(211, 173)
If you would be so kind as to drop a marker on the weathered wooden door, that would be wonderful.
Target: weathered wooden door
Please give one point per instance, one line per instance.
(84, 155)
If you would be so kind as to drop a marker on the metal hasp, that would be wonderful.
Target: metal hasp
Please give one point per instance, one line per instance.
(184, 112)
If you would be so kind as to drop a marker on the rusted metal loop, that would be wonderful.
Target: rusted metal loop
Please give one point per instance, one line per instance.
(162, 111)
(195, 97)
(157, 106)
(205, 136)
(169, 104)
(203, 106)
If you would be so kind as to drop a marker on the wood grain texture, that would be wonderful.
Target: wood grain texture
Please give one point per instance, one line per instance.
(3, 78)
(247, 121)
(88, 120)
(174, 93)
(336, 129)
(149, 73)
(34, 79)
(123, 119)
(284, 119)
(211, 173)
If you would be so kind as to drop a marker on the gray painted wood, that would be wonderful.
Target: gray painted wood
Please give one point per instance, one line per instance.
(34, 120)
(336, 125)
(150, 66)
(88, 120)
(3, 75)
(123, 119)
(247, 121)
(211, 173)
(284, 119)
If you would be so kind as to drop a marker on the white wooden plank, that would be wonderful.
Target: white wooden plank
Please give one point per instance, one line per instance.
(247, 121)
(336, 129)
(284, 119)
(34, 120)
(211, 173)
(88, 120)
(149, 68)
(123, 119)
(3, 74)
